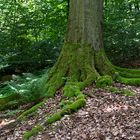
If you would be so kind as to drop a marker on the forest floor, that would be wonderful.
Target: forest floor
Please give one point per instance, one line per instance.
(106, 116)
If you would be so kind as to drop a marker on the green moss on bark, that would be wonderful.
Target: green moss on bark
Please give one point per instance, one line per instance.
(75, 65)
(129, 81)
(68, 109)
(29, 111)
(53, 118)
(128, 73)
(104, 81)
(102, 64)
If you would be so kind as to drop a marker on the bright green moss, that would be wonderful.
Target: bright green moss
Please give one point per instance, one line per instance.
(76, 105)
(65, 102)
(129, 81)
(51, 92)
(53, 118)
(71, 90)
(72, 68)
(129, 75)
(104, 81)
(81, 96)
(102, 64)
(67, 109)
(33, 132)
(73, 107)
(129, 71)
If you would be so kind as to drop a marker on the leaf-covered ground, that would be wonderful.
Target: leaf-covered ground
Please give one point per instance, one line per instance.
(106, 116)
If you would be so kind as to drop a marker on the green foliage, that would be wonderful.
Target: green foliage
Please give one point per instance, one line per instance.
(10, 113)
(122, 31)
(21, 90)
(32, 32)
(9, 105)
(29, 30)
(103, 81)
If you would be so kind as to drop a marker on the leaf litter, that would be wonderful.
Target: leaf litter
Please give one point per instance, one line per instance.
(106, 116)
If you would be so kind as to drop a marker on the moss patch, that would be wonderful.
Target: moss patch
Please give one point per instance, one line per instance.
(33, 132)
(104, 81)
(53, 118)
(116, 90)
(129, 81)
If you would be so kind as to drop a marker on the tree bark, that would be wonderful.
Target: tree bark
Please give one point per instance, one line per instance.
(85, 23)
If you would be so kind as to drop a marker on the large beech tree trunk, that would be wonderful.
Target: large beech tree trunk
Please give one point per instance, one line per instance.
(82, 59)
(85, 23)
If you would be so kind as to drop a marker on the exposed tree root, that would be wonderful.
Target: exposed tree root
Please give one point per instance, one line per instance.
(67, 109)
(30, 110)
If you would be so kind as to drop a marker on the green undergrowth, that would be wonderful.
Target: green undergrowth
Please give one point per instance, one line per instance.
(10, 105)
(22, 90)
(10, 113)
(116, 90)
